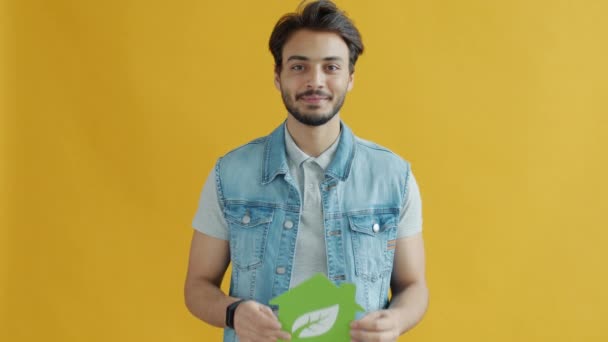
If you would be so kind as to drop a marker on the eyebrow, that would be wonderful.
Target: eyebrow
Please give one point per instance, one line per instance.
(304, 58)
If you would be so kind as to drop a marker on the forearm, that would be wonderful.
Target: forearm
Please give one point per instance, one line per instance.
(410, 304)
(207, 302)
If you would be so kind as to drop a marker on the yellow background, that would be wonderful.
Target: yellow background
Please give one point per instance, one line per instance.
(113, 113)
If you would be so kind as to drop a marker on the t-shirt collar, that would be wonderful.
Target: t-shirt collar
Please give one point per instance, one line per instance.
(295, 154)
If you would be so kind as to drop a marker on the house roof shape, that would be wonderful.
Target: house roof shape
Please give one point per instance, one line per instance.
(318, 310)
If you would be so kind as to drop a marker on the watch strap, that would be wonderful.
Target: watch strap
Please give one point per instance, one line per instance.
(230, 311)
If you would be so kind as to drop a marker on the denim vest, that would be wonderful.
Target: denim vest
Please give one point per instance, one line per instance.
(362, 196)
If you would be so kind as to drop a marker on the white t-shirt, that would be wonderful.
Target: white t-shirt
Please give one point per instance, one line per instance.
(308, 172)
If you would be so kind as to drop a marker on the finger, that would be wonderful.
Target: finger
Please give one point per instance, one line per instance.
(267, 311)
(256, 335)
(366, 320)
(266, 322)
(268, 335)
(283, 335)
(362, 335)
(380, 324)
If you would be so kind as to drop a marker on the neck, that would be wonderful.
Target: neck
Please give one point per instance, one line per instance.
(314, 140)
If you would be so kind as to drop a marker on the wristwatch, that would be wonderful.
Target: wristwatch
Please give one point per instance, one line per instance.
(230, 310)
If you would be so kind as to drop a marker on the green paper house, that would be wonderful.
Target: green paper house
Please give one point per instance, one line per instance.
(317, 310)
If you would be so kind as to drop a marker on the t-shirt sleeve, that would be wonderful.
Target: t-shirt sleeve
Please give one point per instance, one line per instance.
(209, 219)
(410, 221)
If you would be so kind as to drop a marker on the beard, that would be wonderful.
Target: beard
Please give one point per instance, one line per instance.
(312, 119)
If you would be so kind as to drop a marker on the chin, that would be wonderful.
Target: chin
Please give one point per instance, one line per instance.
(316, 111)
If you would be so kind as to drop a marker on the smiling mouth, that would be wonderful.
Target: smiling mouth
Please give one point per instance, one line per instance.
(313, 96)
(313, 99)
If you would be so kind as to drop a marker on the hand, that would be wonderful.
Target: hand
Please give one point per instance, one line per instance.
(378, 326)
(254, 322)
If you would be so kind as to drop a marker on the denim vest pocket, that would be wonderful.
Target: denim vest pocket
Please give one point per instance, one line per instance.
(373, 235)
(249, 226)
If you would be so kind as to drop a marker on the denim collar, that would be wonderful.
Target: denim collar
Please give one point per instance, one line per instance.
(275, 155)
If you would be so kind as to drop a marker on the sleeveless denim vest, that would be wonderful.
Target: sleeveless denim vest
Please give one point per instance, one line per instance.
(362, 196)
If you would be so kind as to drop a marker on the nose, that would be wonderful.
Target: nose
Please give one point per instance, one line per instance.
(316, 78)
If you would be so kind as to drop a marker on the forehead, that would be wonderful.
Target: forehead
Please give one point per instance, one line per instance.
(315, 45)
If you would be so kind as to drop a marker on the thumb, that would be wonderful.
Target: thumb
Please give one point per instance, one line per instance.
(370, 317)
(373, 315)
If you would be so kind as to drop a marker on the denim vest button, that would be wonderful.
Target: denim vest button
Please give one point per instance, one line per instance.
(376, 228)
(288, 224)
(280, 270)
(246, 219)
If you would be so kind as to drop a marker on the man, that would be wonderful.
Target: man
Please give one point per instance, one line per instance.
(308, 198)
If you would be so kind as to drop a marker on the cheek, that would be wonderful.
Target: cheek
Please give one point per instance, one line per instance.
(287, 93)
(338, 85)
(292, 83)
(293, 87)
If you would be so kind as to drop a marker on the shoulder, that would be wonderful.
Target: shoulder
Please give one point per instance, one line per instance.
(371, 151)
(246, 153)
(248, 147)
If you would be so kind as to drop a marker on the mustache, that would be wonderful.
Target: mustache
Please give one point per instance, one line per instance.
(313, 92)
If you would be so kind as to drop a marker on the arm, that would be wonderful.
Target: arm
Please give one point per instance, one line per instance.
(410, 296)
(209, 258)
(408, 283)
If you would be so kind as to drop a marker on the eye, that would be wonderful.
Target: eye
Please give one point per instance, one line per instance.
(297, 67)
(333, 67)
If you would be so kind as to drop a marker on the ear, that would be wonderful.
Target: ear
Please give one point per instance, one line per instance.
(277, 80)
(351, 81)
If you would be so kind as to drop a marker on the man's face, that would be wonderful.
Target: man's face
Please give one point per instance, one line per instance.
(315, 76)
